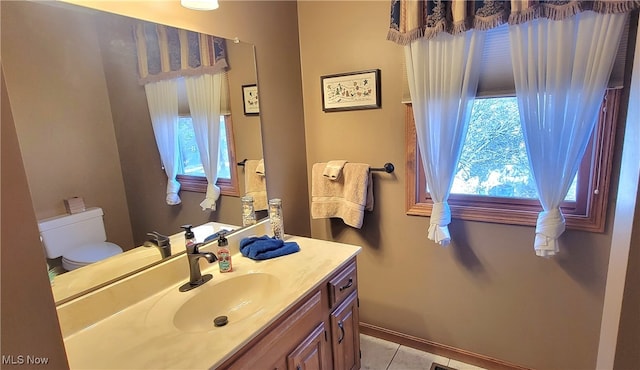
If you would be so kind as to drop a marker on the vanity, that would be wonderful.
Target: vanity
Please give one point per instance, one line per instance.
(297, 311)
(319, 332)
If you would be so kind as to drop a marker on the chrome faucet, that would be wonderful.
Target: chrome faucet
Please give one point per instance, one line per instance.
(195, 276)
(159, 241)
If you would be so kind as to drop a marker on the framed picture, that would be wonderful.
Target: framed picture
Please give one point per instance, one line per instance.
(350, 91)
(250, 99)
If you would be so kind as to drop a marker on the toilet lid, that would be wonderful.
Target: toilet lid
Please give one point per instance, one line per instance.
(93, 252)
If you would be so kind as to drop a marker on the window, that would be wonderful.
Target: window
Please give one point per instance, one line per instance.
(493, 182)
(192, 177)
(494, 160)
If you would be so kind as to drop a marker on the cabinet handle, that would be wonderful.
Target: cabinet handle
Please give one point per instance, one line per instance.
(341, 326)
(349, 284)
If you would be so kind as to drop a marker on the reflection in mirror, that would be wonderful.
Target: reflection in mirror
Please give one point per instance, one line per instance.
(84, 130)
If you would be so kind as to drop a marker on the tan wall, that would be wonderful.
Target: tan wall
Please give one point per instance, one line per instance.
(62, 114)
(487, 292)
(29, 321)
(627, 354)
(246, 128)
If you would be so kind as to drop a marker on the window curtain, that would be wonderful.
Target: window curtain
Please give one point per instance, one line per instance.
(204, 94)
(443, 77)
(441, 63)
(162, 98)
(442, 71)
(561, 69)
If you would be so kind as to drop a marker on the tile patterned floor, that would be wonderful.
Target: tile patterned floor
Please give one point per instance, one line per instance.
(378, 354)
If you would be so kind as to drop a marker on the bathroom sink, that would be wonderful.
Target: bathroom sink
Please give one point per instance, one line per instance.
(237, 298)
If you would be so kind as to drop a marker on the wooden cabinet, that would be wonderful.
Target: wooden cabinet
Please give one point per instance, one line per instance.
(319, 333)
(345, 334)
(270, 349)
(313, 353)
(342, 284)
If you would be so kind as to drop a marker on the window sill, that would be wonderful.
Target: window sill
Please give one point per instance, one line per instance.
(509, 216)
(198, 184)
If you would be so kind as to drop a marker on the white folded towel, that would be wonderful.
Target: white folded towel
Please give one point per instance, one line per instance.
(333, 169)
(255, 185)
(347, 198)
(260, 167)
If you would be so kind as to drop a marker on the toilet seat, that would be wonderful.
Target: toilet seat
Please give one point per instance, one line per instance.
(89, 253)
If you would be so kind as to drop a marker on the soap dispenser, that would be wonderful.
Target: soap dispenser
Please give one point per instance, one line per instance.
(189, 236)
(224, 256)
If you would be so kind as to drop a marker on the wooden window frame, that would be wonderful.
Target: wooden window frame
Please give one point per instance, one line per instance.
(228, 187)
(591, 216)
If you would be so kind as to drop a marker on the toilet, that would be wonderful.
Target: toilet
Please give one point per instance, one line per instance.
(79, 238)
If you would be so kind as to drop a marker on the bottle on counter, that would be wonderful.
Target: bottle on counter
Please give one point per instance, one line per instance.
(189, 236)
(248, 211)
(275, 215)
(224, 255)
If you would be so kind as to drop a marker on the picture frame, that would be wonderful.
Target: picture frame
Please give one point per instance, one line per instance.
(250, 100)
(351, 91)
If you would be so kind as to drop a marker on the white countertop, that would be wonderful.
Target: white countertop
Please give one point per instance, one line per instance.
(129, 340)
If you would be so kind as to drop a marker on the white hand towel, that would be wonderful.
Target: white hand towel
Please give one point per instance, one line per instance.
(346, 198)
(255, 185)
(333, 169)
(260, 167)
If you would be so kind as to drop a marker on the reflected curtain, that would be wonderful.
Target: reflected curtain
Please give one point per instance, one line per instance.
(162, 99)
(166, 52)
(561, 70)
(205, 93)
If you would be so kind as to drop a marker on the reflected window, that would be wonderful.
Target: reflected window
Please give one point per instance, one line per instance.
(191, 175)
(190, 155)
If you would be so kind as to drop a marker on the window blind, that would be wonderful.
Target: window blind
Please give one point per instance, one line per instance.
(496, 72)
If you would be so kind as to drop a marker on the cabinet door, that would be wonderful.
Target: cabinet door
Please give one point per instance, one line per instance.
(312, 353)
(280, 365)
(345, 334)
(271, 350)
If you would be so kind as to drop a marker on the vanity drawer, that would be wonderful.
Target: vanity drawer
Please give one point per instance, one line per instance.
(343, 284)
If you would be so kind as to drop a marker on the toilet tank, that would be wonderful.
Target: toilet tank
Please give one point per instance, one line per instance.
(62, 233)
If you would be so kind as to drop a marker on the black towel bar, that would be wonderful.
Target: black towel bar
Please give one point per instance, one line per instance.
(388, 168)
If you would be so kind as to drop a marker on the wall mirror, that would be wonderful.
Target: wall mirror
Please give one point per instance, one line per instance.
(84, 130)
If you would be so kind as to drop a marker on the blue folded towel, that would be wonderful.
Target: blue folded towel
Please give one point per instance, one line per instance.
(264, 247)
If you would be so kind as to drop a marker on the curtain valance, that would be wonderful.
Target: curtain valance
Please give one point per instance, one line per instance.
(414, 19)
(166, 52)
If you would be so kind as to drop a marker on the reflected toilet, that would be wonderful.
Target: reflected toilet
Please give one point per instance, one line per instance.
(80, 238)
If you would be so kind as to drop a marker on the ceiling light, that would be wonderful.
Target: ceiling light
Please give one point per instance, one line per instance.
(200, 4)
